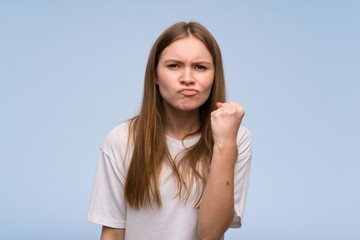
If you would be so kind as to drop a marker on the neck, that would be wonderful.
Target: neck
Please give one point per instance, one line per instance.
(179, 123)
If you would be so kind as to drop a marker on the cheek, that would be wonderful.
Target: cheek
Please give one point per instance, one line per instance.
(208, 86)
(164, 87)
(208, 82)
(167, 81)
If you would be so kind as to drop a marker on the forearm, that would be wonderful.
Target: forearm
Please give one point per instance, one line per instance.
(217, 204)
(108, 233)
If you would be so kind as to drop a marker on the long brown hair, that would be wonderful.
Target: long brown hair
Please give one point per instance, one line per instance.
(147, 132)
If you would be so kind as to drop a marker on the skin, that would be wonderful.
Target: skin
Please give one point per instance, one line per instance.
(185, 74)
(187, 64)
(217, 204)
(108, 233)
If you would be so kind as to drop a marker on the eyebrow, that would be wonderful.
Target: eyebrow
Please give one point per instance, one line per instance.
(197, 62)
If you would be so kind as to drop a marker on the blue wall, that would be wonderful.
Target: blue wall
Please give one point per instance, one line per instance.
(70, 71)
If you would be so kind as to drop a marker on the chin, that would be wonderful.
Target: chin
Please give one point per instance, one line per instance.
(189, 108)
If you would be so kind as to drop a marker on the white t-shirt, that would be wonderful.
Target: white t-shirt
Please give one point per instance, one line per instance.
(174, 220)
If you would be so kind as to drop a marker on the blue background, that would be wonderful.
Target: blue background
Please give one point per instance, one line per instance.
(70, 71)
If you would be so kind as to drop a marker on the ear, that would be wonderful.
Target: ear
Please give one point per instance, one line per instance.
(156, 80)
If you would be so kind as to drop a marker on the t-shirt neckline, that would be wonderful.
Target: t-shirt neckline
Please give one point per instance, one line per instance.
(187, 142)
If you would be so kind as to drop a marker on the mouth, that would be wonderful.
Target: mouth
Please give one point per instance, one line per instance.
(189, 92)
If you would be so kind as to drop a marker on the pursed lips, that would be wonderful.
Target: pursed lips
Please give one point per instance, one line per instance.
(189, 91)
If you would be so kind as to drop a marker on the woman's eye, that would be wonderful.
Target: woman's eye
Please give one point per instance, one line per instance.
(200, 67)
(172, 65)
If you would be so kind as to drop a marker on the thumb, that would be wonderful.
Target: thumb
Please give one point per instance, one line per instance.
(219, 104)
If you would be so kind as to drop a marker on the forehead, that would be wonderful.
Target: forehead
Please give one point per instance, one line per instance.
(187, 48)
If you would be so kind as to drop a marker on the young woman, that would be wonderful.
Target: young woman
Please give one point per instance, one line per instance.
(180, 169)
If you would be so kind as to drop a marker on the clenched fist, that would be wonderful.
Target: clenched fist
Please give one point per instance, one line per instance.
(225, 122)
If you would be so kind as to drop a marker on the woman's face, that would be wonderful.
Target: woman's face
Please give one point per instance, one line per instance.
(185, 74)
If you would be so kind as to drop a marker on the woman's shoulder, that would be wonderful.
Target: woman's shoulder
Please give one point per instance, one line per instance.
(243, 134)
(119, 131)
(244, 141)
(117, 139)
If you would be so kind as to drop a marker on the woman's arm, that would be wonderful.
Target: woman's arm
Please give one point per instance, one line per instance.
(108, 233)
(217, 204)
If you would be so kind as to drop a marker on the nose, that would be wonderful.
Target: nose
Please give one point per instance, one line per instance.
(187, 77)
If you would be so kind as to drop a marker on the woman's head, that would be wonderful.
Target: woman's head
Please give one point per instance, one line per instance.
(175, 32)
(148, 128)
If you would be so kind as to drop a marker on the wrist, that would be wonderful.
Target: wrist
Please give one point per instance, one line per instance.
(224, 155)
(225, 143)
(225, 146)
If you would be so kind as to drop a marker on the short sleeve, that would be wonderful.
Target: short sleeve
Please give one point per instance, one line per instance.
(107, 205)
(241, 175)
